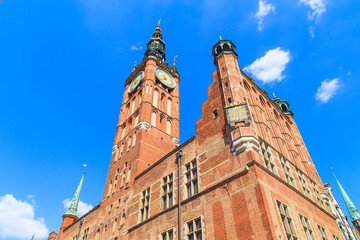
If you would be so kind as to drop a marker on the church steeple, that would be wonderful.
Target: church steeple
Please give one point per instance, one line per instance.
(156, 46)
(75, 201)
(354, 213)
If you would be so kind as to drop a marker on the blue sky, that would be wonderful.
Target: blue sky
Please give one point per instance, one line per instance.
(63, 65)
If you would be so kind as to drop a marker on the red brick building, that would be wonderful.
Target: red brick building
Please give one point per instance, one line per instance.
(246, 174)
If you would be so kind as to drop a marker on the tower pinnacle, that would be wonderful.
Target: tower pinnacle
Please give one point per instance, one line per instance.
(75, 201)
(156, 46)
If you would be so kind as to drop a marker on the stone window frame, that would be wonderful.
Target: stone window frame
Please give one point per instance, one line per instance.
(194, 229)
(285, 163)
(323, 233)
(144, 211)
(304, 183)
(167, 191)
(192, 178)
(317, 193)
(309, 233)
(286, 219)
(167, 234)
(268, 157)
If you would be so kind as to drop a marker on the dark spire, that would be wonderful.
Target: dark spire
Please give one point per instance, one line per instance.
(156, 46)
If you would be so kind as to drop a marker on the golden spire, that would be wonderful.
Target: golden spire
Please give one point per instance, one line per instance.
(159, 23)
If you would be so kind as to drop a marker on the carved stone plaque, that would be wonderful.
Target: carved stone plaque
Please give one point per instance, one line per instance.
(237, 113)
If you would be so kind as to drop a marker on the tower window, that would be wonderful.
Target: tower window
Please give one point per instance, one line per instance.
(194, 229)
(167, 235)
(307, 228)
(287, 221)
(268, 157)
(226, 84)
(145, 205)
(229, 100)
(167, 191)
(283, 107)
(215, 113)
(192, 184)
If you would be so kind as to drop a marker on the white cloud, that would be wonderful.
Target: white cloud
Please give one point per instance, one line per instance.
(17, 219)
(264, 9)
(136, 48)
(82, 208)
(318, 7)
(327, 90)
(270, 67)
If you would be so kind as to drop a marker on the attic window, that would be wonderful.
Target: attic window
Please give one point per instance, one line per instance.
(215, 113)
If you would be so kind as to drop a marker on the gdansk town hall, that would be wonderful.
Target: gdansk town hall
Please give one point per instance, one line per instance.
(246, 174)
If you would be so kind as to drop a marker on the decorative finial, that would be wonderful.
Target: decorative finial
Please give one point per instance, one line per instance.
(159, 23)
(175, 58)
(85, 168)
(220, 34)
(271, 87)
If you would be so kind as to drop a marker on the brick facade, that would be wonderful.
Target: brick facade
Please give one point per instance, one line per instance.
(233, 176)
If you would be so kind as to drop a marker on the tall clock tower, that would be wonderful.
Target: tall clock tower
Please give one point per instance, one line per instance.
(148, 126)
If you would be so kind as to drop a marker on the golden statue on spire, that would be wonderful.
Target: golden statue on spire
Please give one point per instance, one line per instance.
(159, 23)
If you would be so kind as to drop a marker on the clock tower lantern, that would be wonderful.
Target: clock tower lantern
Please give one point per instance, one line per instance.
(148, 125)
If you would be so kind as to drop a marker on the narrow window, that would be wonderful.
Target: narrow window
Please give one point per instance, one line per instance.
(215, 113)
(136, 120)
(123, 219)
(144, 205)
(287, 221)
(109, 188)
(147, 89)
(229, 100)
(155, 100)
(167, 235)
(114, 224)
(97, 235)
(162, 101)
(167, 191)
(153, 119)
(323, 233)
(268, 157)
(317, 194)
(194, 229)
(192, 185)
(168, 127)
(129, 144)
(133, 106)
(307, 228)
(226, 84)
(304, 183)
(128, 174)
(168, 106)
(123, 132)
(335, 237)
(133, 140)
(85, 234)
(287, 171)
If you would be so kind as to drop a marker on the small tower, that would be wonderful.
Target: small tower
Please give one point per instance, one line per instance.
(283, 105)
(354, 213)
(71, 215)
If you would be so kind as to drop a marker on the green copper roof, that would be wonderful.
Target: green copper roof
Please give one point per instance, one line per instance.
(354, 213)
(75, 201)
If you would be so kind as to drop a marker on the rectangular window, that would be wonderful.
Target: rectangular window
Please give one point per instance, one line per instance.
(268, 157)
(167, 235)
(317, 194)
(303, 183)
(192, 184)
(194, 229)
(307, 228)
(287, 221)
(323, 233)
(287, 171)
(167, 191)
(144, 205)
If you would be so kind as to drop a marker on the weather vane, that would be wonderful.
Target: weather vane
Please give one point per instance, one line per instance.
(159, 22)
(85, 168)
(220, 34)
(175, 58)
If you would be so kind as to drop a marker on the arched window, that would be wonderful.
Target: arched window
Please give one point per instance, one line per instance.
(155, 99)
(147, 89)
(168, 106)
(283, 107)
(162, 101)
(153, 119)
(133, 140)
(123, 132)
(128, 174)
(168, 127)
(123, 219)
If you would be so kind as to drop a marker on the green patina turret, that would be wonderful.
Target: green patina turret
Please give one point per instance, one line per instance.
(354, 213)
(75, 201)
(156, 46)
(282, 104)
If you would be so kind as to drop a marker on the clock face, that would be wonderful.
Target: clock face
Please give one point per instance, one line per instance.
(136, 81)
(165, 78)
